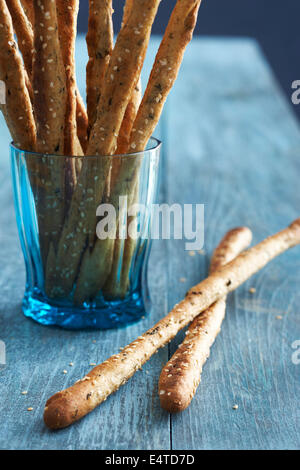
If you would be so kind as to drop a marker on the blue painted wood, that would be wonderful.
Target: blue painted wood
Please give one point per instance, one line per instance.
(232, 144)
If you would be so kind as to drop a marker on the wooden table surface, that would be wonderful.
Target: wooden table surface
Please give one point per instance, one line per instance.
(230, 142)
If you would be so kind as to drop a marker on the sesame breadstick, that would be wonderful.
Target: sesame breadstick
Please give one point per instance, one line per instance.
(128, 120)
(96, 263)
(114, 286)
(49, 83)
(24, 32)
(82, 122)
(126, 11)
(68, 406)
(79, 228)
(165, 70)
(67, 12)
(100, 44)
(49, 80)
(121, 76)
(17, 110)
(28, 9)
(181, 375)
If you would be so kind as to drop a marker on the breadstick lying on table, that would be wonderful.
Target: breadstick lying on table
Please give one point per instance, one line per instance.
(68, 406)
(100, 44)
(181, 375)
(17, 110)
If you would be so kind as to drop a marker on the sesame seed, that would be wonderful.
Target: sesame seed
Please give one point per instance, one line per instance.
(24, 392)
(30, 409)
(65, 371)
(252, 290)
(235, 407)
(71, 364)
(93, 364)
(162, 392)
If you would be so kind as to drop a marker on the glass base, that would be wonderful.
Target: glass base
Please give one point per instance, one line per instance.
(114, 314)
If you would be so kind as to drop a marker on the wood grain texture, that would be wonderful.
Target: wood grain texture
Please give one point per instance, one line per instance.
(228, 122)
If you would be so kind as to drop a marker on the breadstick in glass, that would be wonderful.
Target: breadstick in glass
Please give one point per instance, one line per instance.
(100, 44)
(24, 32)
(167, 63)
(121, 76)
(67, 12)
(17, 110)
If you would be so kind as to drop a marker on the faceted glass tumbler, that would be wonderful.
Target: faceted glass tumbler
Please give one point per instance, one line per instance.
(85, 230)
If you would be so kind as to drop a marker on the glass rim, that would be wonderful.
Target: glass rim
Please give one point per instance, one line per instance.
(156, 144)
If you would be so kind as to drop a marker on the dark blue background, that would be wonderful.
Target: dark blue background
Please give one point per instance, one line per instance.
(274, 23)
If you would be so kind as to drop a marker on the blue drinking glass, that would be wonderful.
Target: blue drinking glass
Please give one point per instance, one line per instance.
(84, 225)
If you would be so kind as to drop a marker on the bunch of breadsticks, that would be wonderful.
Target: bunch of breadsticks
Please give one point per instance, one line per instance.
(203, 308)
(45, 113)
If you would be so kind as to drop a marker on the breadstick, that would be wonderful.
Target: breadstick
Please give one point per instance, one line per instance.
(82, 121)
(100, 44)
(128, 120)
(126, 11)
(68, 406)
(17, 110)
(24, 32)
(181, 375)
(49, 83)
(115, 286)
(165, 70)
(49, 80)
(67, 12)
(121, 76)
(28, 9)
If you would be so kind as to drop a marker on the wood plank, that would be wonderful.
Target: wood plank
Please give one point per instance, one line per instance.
(231, 135)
